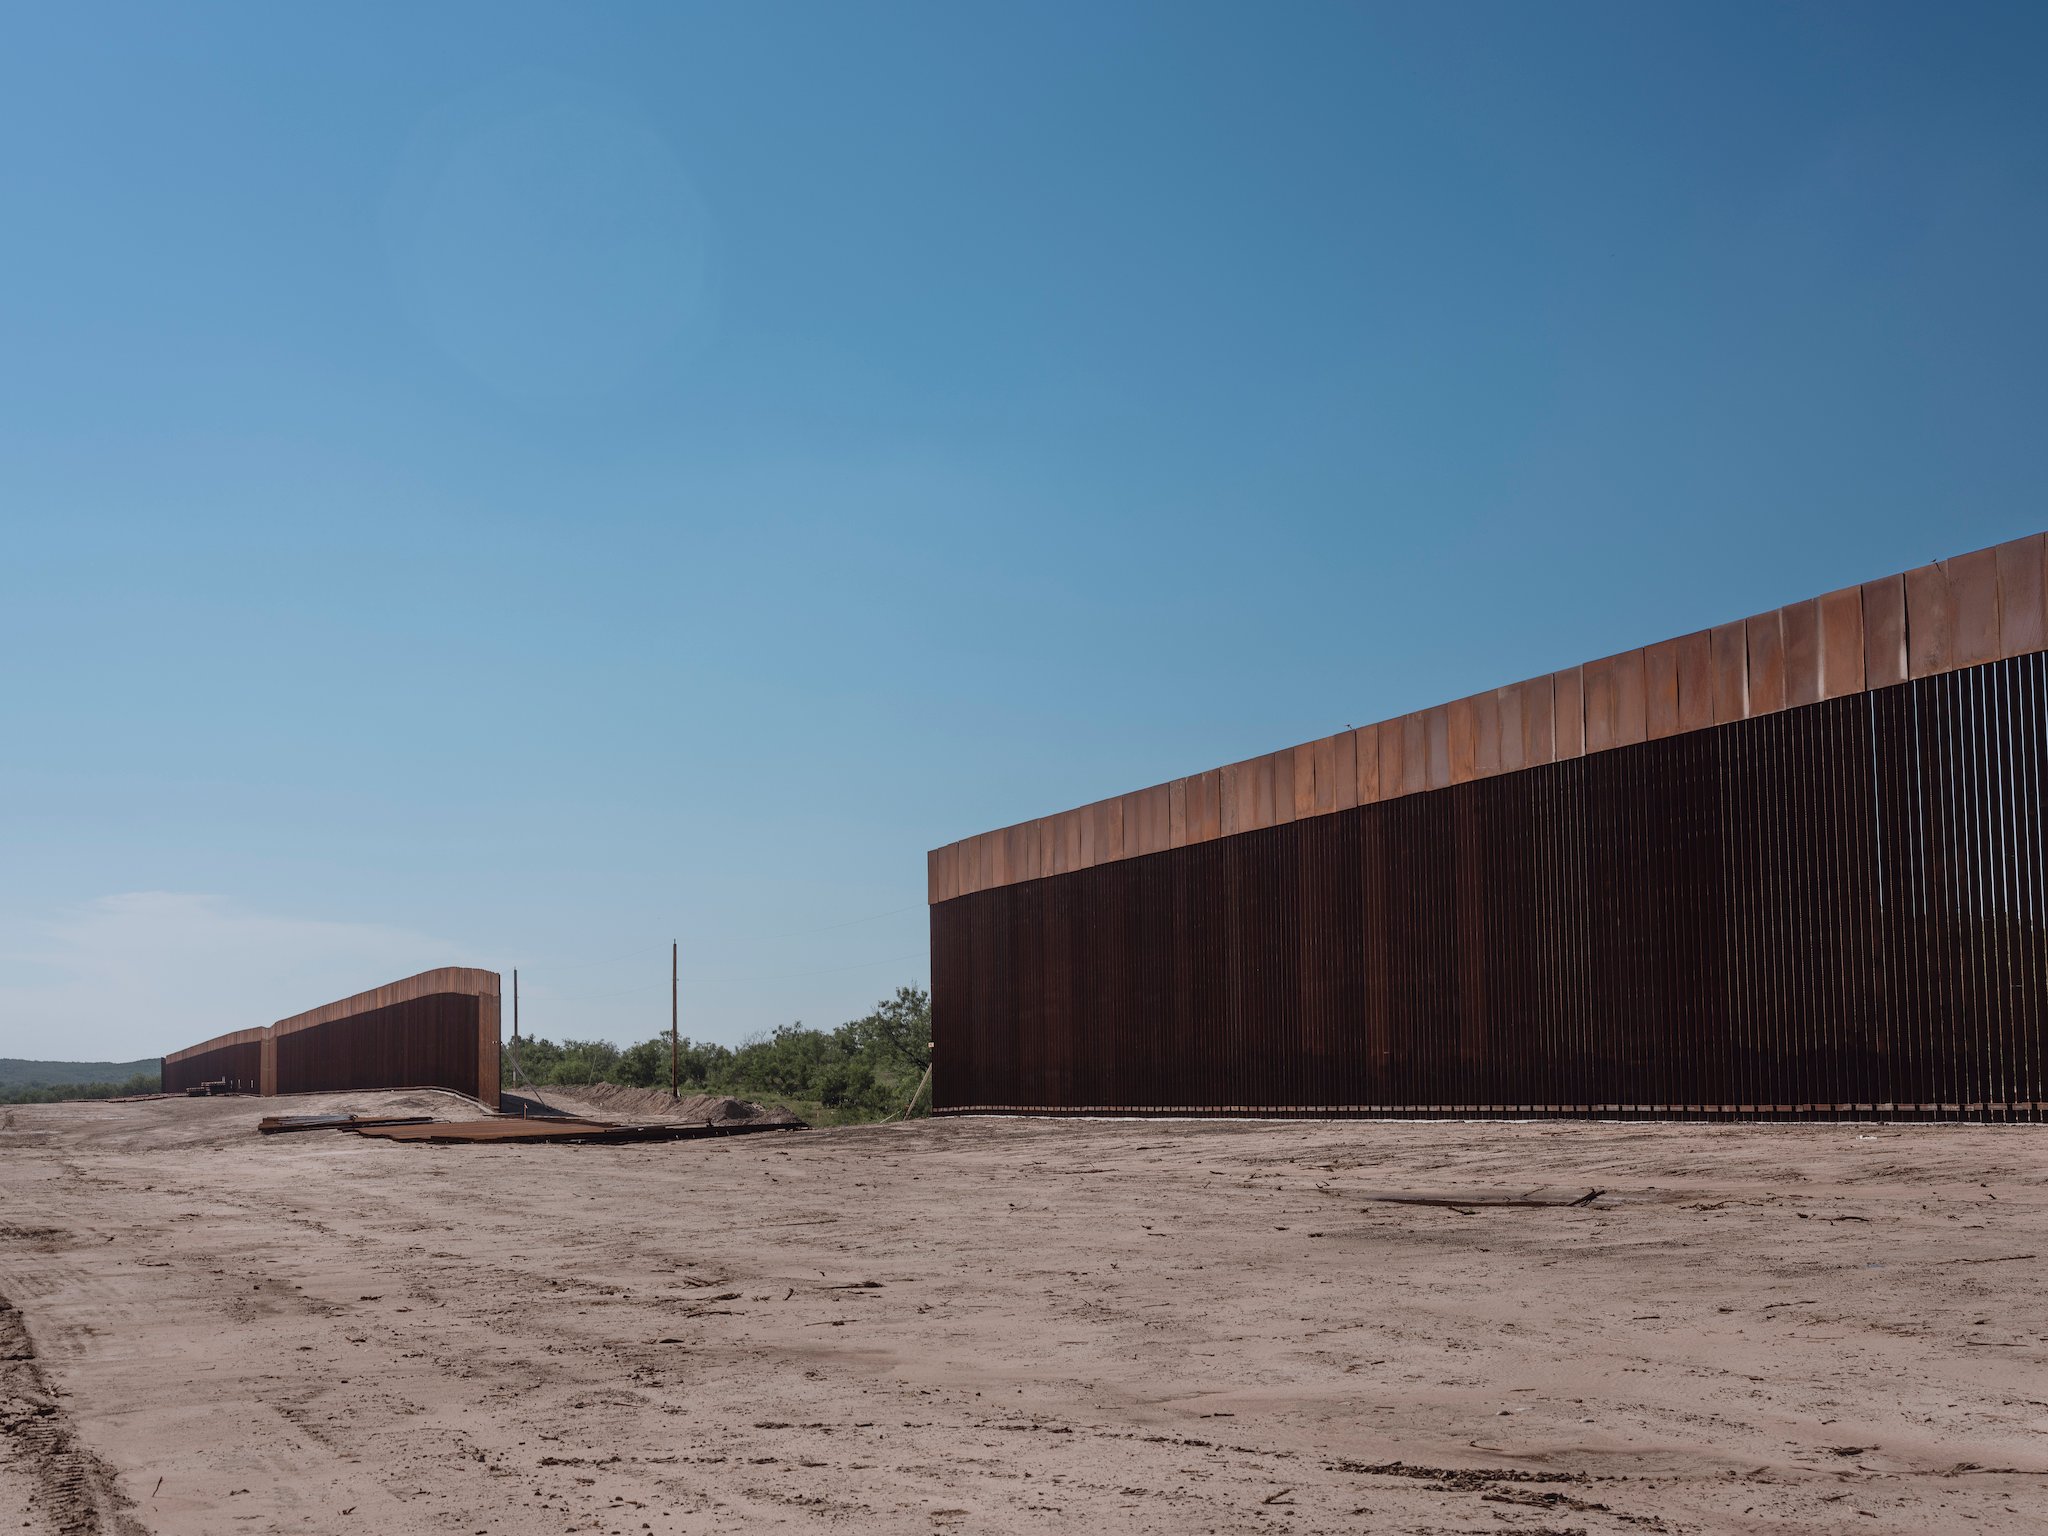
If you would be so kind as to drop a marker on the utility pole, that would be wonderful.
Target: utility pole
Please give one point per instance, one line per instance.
(518, 1072)
(675, 1090)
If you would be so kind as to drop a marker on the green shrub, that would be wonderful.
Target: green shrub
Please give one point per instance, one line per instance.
(57, 1093)
(862, 1070)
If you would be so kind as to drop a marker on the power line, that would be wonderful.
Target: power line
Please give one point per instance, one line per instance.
(759, 938)
(713, 976)
(829, 970)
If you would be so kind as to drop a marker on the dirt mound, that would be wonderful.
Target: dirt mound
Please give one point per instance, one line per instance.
(609, 1101)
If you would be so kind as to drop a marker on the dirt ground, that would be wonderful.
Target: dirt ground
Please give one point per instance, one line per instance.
(1001, 1326)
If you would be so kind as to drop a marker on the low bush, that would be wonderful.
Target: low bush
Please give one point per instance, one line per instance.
(862, 1070)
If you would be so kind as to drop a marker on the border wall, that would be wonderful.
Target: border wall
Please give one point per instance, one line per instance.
(1791, 866)
(439, 1029)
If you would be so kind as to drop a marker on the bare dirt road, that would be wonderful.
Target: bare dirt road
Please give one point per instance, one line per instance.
(1020, 1326)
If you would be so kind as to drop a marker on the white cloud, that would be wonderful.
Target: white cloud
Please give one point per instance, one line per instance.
(146, 972)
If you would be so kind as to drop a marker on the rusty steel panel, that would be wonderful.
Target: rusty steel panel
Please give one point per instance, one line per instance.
(1514, 744)
(1884, 632)
(1379, 768)
(2022, 611)
(1232, 793)
(1282, 769)
(1837, 910)
(1598, 703)
(1322, 770)
(1539, 721)
(1207, 790)
(1568, 714)
(1486, 735)
(1177, 814)
(1158, 814)
(1029, 852)
(1660, 687)
(1799, 625)
(1071, 823)
(1264, 793)
(1631, 700)
(1436, 735)
(1461, 740)
(1092, 834)
(1731, 672)
(1765, 636)
(1930, 622)
(1365, 762)
(1379, 762)
(1973, 606)
(1841, 643)
(1135, 814)
(1109, 831)
(1131, 814)
(1254, 794)
(1599, 683)
(1054, 841)
(1343, 771)
(1414, 754)
(1695, 665)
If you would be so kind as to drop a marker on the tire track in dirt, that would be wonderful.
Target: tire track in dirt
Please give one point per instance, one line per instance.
(73, 1491)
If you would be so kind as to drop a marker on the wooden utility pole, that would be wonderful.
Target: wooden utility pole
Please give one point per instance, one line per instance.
(675, 1090)
(515, 1005)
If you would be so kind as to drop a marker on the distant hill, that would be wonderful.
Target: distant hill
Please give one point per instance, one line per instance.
(50, 1074)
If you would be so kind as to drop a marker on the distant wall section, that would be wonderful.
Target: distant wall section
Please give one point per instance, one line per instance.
(1794, 865)
(235, 1059)
(438, 1029)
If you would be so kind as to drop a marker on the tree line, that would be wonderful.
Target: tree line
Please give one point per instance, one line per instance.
(866, 1068)
(57, 1093)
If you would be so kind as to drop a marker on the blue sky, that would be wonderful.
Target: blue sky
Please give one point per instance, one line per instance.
(520, 484)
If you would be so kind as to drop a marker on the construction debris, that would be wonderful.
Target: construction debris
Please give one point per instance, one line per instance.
(558, 1130)
(1535, 1198)
(274, 1125)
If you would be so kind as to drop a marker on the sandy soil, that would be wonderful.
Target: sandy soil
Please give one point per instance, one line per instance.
(1020, 1326)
